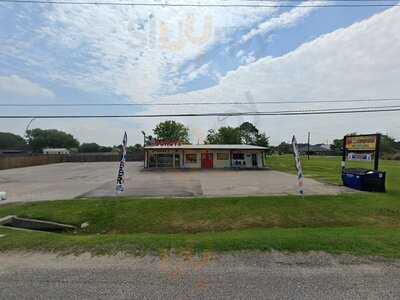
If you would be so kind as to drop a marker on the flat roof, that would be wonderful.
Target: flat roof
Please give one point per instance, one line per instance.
(208, 146)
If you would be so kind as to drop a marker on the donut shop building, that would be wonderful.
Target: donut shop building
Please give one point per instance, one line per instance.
(205, 156)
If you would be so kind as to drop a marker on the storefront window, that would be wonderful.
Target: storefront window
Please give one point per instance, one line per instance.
(164, 160)
(222, 156)
(191, 158)
(239, 156)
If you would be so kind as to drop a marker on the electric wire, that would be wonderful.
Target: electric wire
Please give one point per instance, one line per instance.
(219, 114)
(314, 101)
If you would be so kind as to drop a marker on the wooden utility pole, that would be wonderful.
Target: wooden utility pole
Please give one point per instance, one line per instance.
(308, 146)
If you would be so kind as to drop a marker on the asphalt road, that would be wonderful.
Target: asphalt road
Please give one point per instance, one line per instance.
(79, 180)
(239, 276)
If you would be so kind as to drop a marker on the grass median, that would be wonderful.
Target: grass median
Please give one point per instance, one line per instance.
(359, 223)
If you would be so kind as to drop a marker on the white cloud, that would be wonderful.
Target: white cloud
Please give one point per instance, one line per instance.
(248, 59)
(341, 65)
(201, 71)
(239, 53)
(16, 85)
(359, 61)
(127, 51)
(286, 19)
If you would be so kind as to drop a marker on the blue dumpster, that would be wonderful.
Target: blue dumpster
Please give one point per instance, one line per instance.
(364, 180)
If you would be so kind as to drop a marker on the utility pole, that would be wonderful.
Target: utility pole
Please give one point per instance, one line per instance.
(308, 146)
(144, 151)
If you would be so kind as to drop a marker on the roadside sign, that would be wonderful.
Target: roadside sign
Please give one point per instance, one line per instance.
(361, 142)
(361, 147)
(359, 156)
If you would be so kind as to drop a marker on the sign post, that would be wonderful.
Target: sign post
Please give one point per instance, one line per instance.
(361, 144)
(362, 148)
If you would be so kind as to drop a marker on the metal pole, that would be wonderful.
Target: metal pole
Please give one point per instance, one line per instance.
(377, 151)
(308, 147)
(144, 151)
(344, 153)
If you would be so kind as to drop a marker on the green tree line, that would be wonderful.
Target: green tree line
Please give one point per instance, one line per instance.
(246, 133)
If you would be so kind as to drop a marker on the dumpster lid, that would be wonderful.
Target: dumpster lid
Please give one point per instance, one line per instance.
(358, 171)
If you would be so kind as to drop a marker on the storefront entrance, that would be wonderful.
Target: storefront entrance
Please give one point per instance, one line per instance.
(207, 160)
(254, 160)
(164, 160)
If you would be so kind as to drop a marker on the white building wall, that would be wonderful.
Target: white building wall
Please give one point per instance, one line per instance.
(216, 162)
(221, 163)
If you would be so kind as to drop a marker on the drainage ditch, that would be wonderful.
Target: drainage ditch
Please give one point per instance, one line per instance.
(36, 225)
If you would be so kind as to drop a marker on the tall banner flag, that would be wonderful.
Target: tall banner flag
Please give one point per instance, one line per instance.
(121, 171)
(300, 177)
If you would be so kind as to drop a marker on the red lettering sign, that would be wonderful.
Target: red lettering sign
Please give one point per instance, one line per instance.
(167, 143)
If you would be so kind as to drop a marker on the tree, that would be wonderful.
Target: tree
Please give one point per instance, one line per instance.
(89, 147)
(388, 144)
(284, 148)
(262, 140)
(224, 135)
(51, 138)
(337, 145)
(212, 137)
(248, 133)
(9, 140)
(105, 149)
(173, 131)
(135, 148)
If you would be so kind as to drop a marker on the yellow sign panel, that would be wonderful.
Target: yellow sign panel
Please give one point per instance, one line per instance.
(358, 143)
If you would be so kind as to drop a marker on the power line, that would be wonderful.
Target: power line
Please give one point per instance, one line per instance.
(299, 1)
(216, 114)
(315, 101)
(67, 2)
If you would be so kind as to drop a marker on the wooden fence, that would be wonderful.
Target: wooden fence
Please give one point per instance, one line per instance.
(20, 161)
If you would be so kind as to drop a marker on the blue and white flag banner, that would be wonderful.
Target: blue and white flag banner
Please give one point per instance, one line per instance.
(300, 177)
(121, 171)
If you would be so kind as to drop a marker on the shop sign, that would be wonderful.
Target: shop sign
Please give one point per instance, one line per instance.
(167, 143)
(360, 143)
(359, 156)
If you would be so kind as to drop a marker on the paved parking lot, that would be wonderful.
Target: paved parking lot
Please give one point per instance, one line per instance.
(71, 180)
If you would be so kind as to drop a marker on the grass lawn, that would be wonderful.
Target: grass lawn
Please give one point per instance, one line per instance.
(360, 223)
(328, 169)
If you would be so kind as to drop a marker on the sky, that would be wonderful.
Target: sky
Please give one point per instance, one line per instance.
(65, 54)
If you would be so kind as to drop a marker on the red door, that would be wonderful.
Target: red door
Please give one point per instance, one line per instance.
(207, 160)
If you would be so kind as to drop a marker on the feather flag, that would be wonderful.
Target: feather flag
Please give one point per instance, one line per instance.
(300, 177)
(121, 171)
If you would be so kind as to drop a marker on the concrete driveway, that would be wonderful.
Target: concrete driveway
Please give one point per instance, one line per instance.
(72, 180)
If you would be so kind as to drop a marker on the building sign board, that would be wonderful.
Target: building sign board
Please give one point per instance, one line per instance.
(359, 156)
(365, 147)
(157, 142)
(361, 143)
